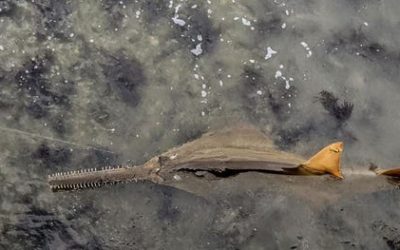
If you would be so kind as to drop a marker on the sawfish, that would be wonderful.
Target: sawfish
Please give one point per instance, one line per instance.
(217, 154)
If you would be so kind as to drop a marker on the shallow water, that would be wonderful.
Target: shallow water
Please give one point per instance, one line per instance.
(86, 84)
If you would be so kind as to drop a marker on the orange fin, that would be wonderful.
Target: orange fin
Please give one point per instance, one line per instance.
(326, 161)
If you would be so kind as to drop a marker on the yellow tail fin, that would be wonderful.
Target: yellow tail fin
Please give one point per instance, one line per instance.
(326, 161)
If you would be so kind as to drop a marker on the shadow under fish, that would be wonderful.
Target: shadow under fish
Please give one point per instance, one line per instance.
(220, 154)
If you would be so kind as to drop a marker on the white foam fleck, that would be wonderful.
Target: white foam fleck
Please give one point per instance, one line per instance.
(1, 47)
(177, 8)
(278, 74)
(283, 26)
(287, 86)
(203, 93)
(221, 83)
(178, 21)
(252, 61)
(199, 37)
(245, 22)
(198, 50)
(270, 53)
(259, 92)
(366, 24)
(305, 45)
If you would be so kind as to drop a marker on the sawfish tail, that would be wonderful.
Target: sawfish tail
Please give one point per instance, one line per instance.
(374, 168)
(92, 178)
(326, 161)
(394, 172)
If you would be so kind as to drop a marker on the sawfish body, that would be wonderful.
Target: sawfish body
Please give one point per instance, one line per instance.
(218, 154)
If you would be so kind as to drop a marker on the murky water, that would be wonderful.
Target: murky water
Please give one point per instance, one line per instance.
(87, 84)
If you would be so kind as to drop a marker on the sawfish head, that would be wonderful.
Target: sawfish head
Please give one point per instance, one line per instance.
(326, 161)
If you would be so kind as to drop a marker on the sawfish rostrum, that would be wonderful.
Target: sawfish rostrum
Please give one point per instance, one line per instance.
(218, 154)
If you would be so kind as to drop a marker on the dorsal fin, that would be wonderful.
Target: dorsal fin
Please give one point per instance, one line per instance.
(326, 161)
